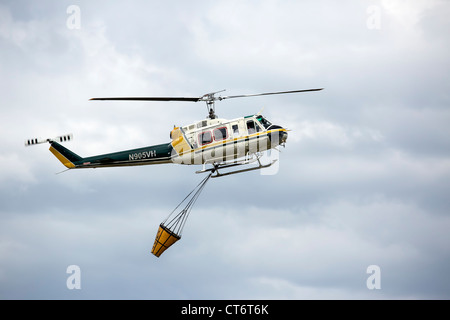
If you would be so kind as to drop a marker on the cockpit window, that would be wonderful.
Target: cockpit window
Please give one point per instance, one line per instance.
(266, 123)
(253, 127)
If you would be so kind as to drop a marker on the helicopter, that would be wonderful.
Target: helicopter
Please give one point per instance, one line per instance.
(214, 143)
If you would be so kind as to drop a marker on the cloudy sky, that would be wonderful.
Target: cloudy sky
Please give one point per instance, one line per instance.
(363, 180)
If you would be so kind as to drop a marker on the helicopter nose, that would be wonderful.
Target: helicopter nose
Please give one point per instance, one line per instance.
(283, 137)
(278, 137)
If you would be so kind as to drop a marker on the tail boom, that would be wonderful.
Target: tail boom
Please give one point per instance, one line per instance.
(156, 154)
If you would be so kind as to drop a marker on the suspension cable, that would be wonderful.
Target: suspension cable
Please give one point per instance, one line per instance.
(176, 224)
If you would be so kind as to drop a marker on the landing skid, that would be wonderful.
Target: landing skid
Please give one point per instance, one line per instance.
(225, 165)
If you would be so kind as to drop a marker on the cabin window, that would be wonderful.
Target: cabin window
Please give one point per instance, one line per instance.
(235, 129)
(205, 137)
(220, 134)
(252, 127)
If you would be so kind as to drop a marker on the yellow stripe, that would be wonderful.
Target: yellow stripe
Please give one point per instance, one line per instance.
(237, 139)
(61, 158)
(179, 143)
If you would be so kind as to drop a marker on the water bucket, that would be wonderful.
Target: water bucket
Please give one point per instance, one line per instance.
(164, 239)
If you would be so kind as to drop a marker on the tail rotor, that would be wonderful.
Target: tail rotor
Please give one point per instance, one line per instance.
(34, 141)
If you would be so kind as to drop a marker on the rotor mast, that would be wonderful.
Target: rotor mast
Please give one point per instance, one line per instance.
(210, 99)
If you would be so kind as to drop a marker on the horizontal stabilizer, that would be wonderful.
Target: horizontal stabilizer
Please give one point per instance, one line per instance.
(64, 138)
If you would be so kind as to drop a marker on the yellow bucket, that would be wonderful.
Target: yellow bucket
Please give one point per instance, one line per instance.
(164, 239)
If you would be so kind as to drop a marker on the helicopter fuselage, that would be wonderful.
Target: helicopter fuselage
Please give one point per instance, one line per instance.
(210, 141)
(218, 140)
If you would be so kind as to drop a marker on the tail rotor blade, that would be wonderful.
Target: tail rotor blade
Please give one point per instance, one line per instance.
(63, 138)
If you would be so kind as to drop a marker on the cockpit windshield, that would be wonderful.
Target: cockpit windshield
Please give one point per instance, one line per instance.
(266, 123)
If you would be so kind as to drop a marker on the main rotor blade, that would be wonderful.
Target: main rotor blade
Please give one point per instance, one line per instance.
(151, 99)
(207, 97)
(267, 93)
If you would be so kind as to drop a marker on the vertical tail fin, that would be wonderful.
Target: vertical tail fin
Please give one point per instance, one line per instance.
(67, 157)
